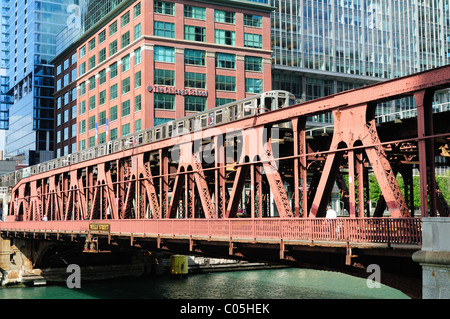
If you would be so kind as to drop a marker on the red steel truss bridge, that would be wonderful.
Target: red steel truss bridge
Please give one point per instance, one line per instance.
(258, 186)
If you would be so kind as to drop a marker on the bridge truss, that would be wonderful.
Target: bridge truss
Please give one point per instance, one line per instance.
(267, 165)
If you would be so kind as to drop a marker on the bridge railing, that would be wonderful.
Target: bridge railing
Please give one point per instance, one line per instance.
(364, 230)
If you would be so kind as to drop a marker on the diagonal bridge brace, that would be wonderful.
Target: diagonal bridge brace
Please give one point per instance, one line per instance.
(350, 127)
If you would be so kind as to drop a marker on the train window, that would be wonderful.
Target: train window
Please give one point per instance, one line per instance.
(192, 124)
(150, 136)
(268, 103)
(219, 116)
(210, 119)
(247, 107)
(158, 133)
(281, 102)
(180, 127)
(139, 139)
(203, 120)
(163, 133)
(170, 130)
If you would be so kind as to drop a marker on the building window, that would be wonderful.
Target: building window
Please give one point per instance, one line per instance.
(92, 122)
(195, 103)
(164, 29)
(82, 127)
(195, 80)
(82, 68)
(74, 130)
(126, 63)
(163, 7)
(126, 85)
(82, 107)
(160, 120)
(137, 10)
(195, 12)
(164, 54)
(102, 37)
(113, 70)
(251, 20)
(126, 108)
(102, 138)
(125, 39)
(222, 101)
(113, 113)
(164, 101)
(225, 83)
(125, 19)
(253, 64)
(92, 62)
(92, 103)
(137, 79)
(92, 141)
(92, 83)
(194, 33)
(225, 60)
(224, 16)
(126, 129)
(82, 145)
(102, 97)
(137, 31)
(137, 103)
(137, 125)
(113, 28)
(113, 135)
(225, 37)
(91, 45)
(83, 88)
(102, 118)
(102, 77)
(102, 55)
(113, 92)
(113, 48)
(82, 51)
(253, 85)
(253, 40)
(137, 56)
(164, 77)
(194, 57)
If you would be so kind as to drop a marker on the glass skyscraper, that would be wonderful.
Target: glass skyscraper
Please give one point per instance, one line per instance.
(5, 99)
(32, 45)
(321, 47)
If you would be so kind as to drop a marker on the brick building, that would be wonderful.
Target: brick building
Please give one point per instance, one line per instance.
(146, 62)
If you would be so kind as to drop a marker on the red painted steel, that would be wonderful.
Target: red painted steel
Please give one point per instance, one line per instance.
(263, 164)
(357, 230)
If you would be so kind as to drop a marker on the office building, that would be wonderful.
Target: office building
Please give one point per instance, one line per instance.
(321, 47)
(33, 26)
(142, 63)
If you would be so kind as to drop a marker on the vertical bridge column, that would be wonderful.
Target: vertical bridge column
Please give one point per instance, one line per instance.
(435, 258)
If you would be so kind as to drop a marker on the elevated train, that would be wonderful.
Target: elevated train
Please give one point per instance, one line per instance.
(259, 103)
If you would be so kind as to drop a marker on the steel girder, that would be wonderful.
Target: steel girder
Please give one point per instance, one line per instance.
(265, 165)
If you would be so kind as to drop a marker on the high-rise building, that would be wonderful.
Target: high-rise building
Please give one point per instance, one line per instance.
(5, 99)
(321, 47)
(32, 45)
(141, 63)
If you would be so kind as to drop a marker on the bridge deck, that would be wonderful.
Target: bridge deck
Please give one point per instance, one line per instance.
(373, 231)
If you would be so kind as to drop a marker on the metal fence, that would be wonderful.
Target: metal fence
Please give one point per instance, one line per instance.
(362, 230)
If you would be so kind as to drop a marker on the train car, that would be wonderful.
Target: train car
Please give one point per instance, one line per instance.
(250, 106)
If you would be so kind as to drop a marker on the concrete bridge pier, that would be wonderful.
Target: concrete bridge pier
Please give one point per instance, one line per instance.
(15, 260)
(435, 258)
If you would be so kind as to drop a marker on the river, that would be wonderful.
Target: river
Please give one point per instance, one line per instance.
(286, 283)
